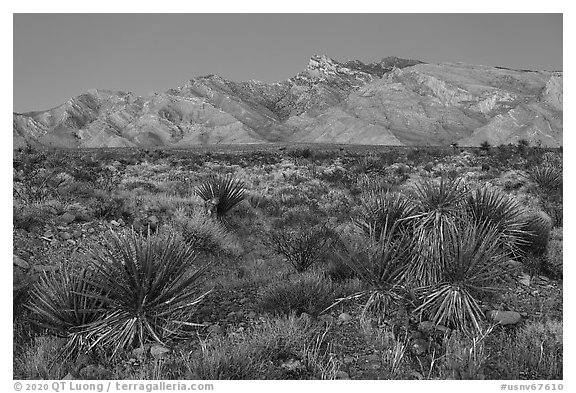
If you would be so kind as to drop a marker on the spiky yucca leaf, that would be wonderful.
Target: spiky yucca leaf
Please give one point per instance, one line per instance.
(63, 304)
(380, 263)
(149, 287)
(380, 210)
(548, 177)
(226, 192)
(438, 211)
(488, 204)
(473, 270)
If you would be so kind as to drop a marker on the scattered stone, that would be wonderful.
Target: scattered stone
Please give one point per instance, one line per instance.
(121, 222)
(244, 300)
(153, 222)
(342, 375)
(419, 347)
(226, 303)
(71, 241)
(239, 314)
(524, 279)
(327, 318)
(139, 353)
(65, 236)
(504, 317)
(67, 218)
(115, 223)
(17, 261)
(231, 314)
(292, 365)
(344, 317)
(158, 351)
(77, 233)
(215, 330)
(253, 314)
(372, 358)
(348, 359)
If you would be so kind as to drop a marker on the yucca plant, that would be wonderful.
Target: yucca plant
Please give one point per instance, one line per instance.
(473, 271)
(537, 227)
(488, 204)
(149, 287)
(439, 209)
(548, 177)
(64, 303)
(379, 210)
(380, 263)
(223, 193)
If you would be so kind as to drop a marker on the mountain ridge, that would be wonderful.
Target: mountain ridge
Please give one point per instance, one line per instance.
(393, 101)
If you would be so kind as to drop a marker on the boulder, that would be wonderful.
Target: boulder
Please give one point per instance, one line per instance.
(504, 317)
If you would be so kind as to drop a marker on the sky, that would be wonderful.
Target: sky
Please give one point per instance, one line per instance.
(59, 56)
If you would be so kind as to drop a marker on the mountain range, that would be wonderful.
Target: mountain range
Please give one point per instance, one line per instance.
(391, 102)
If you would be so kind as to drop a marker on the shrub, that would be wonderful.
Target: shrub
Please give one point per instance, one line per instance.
(438, 211)
(380, 263)
(64, 303)
(465, 357)
(548, 178)
(260, 353)
(488, 204)
(302, 246)
(223, 193)
(310, 293)
(381, 212)
(473, 271)
(535, 352)
(149, 289)
(536, 227)
(554, 258)
(204, 234)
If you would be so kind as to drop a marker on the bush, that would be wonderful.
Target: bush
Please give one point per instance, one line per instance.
(536, 227)
(494, 207)
(301, 245)
(473, 271)
(439, 208)
(534, 352)
(150, 289)
(65, 303)
(261, 352)
(548, 178)
(221, 194)
(554, 257)
(380, 263)
(310, 293)
(383, 212)
(204, 234)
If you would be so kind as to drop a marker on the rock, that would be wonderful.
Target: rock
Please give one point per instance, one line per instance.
(139, 353)
(348, 360)
(71, 241)
(68, 377)
(244, 300)
(231, 314)
(77, 234)
(292, 365)
(17, 261)
(215, 330)
(239, 314)
(504, 317)
(524, 279)
(159, 351)
(226, 303)
(67, 218)
(91, 230)
(429, 327)
(152, 221)
(372, 358)
(121, 222)
(327, 318)
(253, 315)
(344, 317)
(419, 347)
(65, 236)
(342, 375)
(115, 223)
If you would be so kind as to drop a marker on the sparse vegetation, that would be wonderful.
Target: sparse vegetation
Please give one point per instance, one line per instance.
(356, 262)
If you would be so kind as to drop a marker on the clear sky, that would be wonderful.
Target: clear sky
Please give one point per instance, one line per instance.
(58, 56)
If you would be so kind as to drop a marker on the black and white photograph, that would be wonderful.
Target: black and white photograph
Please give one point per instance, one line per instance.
(199, 197)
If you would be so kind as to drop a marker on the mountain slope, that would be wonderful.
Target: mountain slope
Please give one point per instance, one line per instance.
(391, 102)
